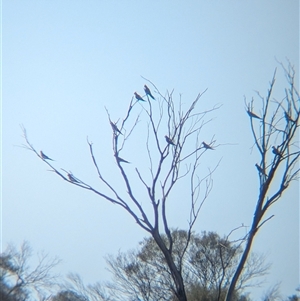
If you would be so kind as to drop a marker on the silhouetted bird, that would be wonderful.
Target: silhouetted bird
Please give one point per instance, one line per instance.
(44, 157)
(276, 151)
(253, 115)
(115, 128)
(72, 178)
(121, 160)
(260, 169)
(205, 145)
(138, 97)
(148, 92)
(169, 140)
(288, 117)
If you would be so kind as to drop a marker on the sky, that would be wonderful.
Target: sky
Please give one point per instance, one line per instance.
(64, 62)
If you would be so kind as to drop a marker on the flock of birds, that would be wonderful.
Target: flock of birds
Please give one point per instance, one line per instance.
(275, 150)
(140, 98)
(147, 91)
(171, 142)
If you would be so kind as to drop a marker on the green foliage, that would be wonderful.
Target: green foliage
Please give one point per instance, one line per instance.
(139, 275)
(18, 282)
(200, 293)
(293, 298)
(206, 262)
(68, 295)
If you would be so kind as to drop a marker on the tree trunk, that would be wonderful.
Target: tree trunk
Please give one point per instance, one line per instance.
(257, 217)
(176, 275)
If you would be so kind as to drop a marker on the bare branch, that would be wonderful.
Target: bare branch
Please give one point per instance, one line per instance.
(278, 132)
(170, 162)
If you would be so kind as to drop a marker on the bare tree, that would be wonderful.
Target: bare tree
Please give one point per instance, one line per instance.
(275, 132)
(174, 149)
(19, 281)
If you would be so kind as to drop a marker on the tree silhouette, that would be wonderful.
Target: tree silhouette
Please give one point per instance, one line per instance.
(174, 149)
(167, 163)
(18, 281)
(275, 136)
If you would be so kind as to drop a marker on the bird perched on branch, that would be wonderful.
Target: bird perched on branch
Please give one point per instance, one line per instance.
(207, 146)
(148, 92)
(260, 169)
(276, 151)
(115, 128)
(288, 117)
(169, 140)
(122, 160)
(72, 178)
(252, 115)
(138, 97)
(44, 157)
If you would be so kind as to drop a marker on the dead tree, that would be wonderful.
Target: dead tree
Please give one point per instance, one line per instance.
(174, 149)
(275, 130)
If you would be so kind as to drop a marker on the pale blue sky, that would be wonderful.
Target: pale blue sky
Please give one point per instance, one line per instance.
(63, 61)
